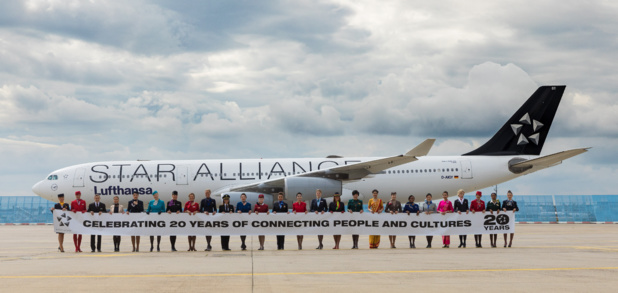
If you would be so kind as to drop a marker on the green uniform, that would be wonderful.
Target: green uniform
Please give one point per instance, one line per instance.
(493, 206)
(355, 205)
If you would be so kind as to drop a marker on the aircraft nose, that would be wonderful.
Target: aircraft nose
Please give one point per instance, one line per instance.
(38, 190)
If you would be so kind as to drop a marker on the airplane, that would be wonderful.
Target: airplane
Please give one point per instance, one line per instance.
(512, 152)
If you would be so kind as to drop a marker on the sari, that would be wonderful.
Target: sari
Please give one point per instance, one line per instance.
(374, 205)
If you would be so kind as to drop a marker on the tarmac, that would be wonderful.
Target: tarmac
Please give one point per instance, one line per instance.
(544, 257)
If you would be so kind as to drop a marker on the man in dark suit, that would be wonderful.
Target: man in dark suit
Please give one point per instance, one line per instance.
(318, 205)
(226, 208)
(461, 205)
(96, 207)
(280, 207)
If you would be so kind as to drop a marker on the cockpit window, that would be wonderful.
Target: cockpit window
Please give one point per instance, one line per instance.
(52, 177)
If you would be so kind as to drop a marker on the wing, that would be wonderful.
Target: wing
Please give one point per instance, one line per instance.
(529, 166)
(345, 173)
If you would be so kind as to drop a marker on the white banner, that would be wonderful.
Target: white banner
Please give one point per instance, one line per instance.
(284, 224)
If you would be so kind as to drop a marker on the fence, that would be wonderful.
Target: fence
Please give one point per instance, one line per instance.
(533, 208)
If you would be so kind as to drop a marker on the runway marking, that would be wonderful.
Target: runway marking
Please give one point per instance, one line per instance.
(307, 273)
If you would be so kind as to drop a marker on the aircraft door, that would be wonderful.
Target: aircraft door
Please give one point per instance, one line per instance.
(78, 179)
(466, 170)
(182, 174)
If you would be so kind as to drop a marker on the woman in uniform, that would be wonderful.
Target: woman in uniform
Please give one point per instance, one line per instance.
(280, 207)
(429, 207)
(445, 206)
(493, 206)
(375, 206)
(243, 207)
(355, 205)
(61, 205)
(192, 208)
(261, 207)
(393, 207)
(478, 205)
(116, 208)
(226, 208)
(509, 205)
(336, 206)
(299, 207)
(155, 206)
(411, 208)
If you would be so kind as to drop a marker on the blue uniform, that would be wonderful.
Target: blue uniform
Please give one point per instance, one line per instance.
(410, 207)
(158, 208)
(243, 208)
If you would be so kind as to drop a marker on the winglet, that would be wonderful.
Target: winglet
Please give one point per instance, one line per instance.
(421, 149)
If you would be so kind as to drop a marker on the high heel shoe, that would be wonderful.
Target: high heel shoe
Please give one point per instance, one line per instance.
(60, 249)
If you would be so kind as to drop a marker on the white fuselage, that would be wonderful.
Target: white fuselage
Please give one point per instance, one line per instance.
(431, 174)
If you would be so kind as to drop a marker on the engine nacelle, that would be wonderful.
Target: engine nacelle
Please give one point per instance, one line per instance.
(252, 197)
(308, 185)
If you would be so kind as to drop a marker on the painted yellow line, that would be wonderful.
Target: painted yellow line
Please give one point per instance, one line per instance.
(307, 273)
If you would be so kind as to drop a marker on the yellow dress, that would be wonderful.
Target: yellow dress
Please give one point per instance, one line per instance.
(376, 206)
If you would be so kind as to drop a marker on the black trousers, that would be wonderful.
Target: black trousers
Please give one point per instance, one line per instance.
(225, 242)
(92, 242)
(280, 241)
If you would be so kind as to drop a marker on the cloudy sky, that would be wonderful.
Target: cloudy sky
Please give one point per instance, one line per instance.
(84, 81)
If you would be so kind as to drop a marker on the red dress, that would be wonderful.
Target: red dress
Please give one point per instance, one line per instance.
(299, 207)
(192, 206)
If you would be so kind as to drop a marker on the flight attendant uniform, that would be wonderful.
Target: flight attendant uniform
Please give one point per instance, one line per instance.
(445, 206)
(96, 207)
(225, 208)
(355, 206)
(494, 206)
(280, 207)
(261, 208)
(135, 206)
(376, 206)
(461, 205)
(243, 208)
(411, 208)
(478, 205)
(158, 207)
(61, 205)
(173, 206)
(78, 205)
(208, 205)
(114, 209)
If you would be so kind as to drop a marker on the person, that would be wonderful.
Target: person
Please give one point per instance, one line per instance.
(208, 205)
(336, 206)
(355, 205)
(174, 206)
(135, 206)
(461, 205)
(192, 207)
(115, 209)
(155, 206)
(393, 207)
(261, 207)
(493, 206)
(411, 208)
(509, 205)
(96, 207)
(445, 206)
(61, 205)
(478, 205)
(226, 207)
(428, 208)
(243, 207)
(78, 205)
(318, 205)
(280, 207)
(375, 206)
(299, 207)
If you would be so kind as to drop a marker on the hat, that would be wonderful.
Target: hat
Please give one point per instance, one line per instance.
(261, 196)
(78, 192)
(61, 195)
(153, 193)
(337, 194)
(226, 196)
(479, 193)
(174, 192)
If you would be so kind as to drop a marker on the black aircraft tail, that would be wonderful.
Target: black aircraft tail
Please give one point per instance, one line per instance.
(525, 132)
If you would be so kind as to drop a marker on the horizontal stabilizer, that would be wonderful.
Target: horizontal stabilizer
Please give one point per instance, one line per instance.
(534, 165)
